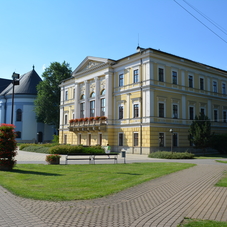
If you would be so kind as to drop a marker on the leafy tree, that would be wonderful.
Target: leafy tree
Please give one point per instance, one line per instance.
(200, 132)
(48, 98)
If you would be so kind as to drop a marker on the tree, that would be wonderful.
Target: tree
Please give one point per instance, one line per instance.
(200, 132)
(48, 97)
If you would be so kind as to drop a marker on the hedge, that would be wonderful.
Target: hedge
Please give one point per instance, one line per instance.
(170, 155)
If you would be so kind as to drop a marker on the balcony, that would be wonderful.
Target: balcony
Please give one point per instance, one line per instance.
(88, 126)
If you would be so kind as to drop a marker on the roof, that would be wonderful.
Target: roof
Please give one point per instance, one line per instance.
(28, 83)
(4, 83)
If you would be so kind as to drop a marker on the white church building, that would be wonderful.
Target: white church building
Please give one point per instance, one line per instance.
(24, 118)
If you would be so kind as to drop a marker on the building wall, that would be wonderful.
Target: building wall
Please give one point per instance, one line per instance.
(165, 84)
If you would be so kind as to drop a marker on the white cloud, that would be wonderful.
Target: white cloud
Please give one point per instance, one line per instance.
(44, 67)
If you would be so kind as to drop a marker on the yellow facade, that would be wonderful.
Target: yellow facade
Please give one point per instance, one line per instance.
(143, 96)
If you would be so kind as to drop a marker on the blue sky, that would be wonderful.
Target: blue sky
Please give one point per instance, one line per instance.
(38, 32)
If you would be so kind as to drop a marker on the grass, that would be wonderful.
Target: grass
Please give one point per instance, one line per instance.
(223, 181)
(75, 182)
(201, 223)
(211, 156)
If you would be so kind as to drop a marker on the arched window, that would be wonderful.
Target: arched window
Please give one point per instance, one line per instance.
(19, 115)
(82, 96)
(103, 92)
(92, 95)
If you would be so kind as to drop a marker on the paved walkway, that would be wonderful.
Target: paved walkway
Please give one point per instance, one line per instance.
(161, 202)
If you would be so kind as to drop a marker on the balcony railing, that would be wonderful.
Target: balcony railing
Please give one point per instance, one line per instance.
(95, 125)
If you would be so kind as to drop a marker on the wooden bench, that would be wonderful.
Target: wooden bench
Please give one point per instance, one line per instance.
(81, 157)
(91, 157)
(105, 157)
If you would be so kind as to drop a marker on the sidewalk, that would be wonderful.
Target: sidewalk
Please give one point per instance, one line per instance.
(161, 202)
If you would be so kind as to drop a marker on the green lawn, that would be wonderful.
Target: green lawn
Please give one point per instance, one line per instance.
(201, 223)
(74, 182)
(211, 156)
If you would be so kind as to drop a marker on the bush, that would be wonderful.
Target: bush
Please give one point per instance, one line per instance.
(55, 139)
(37, 148)
(7, 146)
(170, 155)
(219, 143)
(69, 149)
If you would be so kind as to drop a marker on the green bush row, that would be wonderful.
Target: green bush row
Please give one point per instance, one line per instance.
(170, 155)
(69, 149)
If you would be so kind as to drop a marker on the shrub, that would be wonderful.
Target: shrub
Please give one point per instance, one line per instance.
(55, 139)
(7, 146)
(69, 149)
(170, 155)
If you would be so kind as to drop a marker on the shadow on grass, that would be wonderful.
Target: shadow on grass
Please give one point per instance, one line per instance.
(130, 173)
(35, 172)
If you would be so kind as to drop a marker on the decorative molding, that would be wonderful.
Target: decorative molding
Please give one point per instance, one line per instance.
(102, 84)
(175, 101)
(92, 64)
(161, 99)
(92, 86)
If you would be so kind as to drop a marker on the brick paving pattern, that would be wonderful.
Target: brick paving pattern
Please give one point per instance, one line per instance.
(160, 202)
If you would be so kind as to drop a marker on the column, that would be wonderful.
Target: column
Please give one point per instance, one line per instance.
(87, 96)
(109, 96)
(97, 96)
(76, 101)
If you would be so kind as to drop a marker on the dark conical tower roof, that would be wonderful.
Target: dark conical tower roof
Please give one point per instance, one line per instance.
(28, 83)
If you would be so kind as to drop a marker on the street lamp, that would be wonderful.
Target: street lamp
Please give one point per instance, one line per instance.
(15, 81)
(171, 131)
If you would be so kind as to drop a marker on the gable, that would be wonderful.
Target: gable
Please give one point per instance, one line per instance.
(90, 63)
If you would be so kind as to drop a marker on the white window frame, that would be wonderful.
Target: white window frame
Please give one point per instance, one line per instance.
(119, 112)
(215, 88)
(134, 69)
(66, 120)
(224, 119)
(217, 115)
(121, 133)
(176, 77)
(159, 67)
(119, 80)
(163, 139)
(66, 95)
(164, 109)
(223, 90)
(134, 139)
(177, 110)
(200, 83)
(192, 80)
(136, 103)
(193, 112)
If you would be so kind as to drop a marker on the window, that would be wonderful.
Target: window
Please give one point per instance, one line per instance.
(121, 80)
(65, 139)
(136, 110)
(160, 74)
(79, 139)
(201, 84)
(161, 139)
(191, 113)
(120, 139)
(121, 112)
(215, 86)
(19, 115)
(175, 111)
(82, 110)
(215, 115)
(18, 135)
(100, 139)
(92, 108)
(161, 109)
(224, 116)
(74, 92)
(82, 96)
(66, 95)
(103, 92)
(175, 140)
(89, 139)
(103, 107)
(92, 95)
(223, 89)
(174, 77)
(190, 81)
(135, 76)
(66, 119)
(202, 111)
(136, 139)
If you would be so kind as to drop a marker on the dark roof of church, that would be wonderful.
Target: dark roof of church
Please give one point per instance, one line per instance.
(28, 83)
(4, 83)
